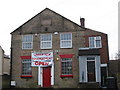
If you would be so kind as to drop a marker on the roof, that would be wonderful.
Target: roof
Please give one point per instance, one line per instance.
(6, 56)
(57, 14)
(2, 49)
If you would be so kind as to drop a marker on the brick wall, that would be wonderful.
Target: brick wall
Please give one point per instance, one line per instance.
(104, 50)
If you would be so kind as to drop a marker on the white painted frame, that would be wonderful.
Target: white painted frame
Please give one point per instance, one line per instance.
(97, 68)
(40, 75)
(95, 38)
(45, 41)
(27, 42)
(87, 67)
(103, 65)
(65, 40)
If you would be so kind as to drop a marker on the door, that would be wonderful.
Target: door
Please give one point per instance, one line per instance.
(46, 76)
(103, 76)
(91, 71)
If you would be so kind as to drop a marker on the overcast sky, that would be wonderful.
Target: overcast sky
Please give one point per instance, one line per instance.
(100, 15)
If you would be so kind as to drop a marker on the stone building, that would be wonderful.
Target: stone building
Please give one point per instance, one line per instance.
(1, 60)
(1, 65)
(6, 65)
(50, 50)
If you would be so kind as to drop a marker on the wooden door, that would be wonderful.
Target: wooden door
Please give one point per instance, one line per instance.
(91, 71)
(46, 76)
(103, 76)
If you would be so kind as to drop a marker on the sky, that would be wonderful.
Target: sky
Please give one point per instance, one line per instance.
(100, 15)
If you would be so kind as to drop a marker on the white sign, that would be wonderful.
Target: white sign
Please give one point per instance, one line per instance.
(13, 83)
(42, 59)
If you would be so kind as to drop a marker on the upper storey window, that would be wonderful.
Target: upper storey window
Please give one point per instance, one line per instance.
(66, 40)
(46, 41)
(27, 42)
(95, 42)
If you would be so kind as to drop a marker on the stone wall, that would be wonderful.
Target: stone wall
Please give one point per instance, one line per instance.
(48, 22)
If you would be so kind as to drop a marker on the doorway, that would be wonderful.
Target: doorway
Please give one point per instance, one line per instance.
(103, 76)
(91, 71)
(47, 76)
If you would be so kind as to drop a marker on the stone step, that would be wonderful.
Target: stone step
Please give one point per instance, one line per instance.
(89, 85)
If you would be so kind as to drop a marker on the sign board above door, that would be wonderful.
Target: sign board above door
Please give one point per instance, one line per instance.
(42, 59)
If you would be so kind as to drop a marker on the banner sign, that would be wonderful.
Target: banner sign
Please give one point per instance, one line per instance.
(42, 59)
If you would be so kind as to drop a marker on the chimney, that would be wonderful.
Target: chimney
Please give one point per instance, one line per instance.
(82, 22)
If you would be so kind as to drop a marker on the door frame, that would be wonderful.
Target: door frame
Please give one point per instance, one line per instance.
(104, 66)
(83, 67)
(94, 69)
(47, 76)
(40, 75)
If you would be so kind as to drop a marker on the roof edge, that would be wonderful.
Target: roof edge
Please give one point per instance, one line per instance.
(57, 14)
(40, 13)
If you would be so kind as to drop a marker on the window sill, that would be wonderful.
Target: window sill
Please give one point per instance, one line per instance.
(26, 76)
(46, 48)
(87, 82)
(65, 47)
(95, 47)
(27, 48)
(66, 75)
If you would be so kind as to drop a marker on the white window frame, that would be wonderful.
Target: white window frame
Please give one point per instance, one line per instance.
(61, 41)
(31, 42)
(95, 42)
(45, 42)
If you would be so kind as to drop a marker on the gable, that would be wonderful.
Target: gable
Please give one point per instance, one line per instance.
(47, 21)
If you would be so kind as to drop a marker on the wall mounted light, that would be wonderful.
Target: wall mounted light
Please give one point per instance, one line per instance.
(36, 34)
(57, 58)
(55, 33)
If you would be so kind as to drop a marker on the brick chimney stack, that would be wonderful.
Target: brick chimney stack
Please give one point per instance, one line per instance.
(82, 22)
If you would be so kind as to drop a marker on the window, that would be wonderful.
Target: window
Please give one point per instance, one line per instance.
(95, 42)
(26, 67)
(66, 40)
(46, 41)
(66, 68)
(66, 65)
(27, 42)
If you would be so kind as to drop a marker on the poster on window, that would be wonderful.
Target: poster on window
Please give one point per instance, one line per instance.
(42, 59)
